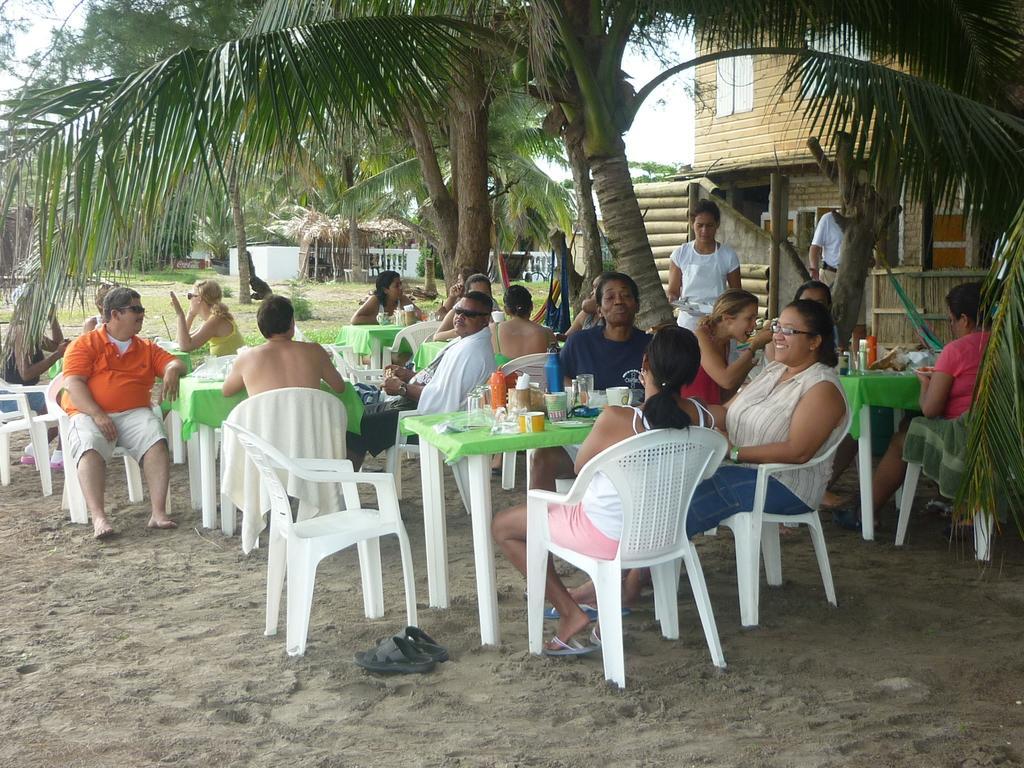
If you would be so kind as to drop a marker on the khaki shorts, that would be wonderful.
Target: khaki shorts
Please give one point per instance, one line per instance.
(138, 430)
(828, 277)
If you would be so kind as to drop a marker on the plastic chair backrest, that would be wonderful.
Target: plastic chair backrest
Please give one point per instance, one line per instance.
(53, 396)
(655, 474)
(531, 364)
(415, 335)
(267, 459)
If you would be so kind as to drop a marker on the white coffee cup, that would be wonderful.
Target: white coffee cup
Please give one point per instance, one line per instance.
(618, 395)
(498, 316)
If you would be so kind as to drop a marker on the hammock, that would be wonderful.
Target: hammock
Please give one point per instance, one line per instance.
(555, 311)
(920, 325)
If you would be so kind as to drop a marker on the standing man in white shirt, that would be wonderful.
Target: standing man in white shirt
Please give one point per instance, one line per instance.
(823, 261)
(702, 269)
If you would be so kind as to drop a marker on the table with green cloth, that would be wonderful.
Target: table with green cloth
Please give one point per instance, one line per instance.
(202, 409)
(900, 391)
(427, 353)
(369, 340)
(184, 357)
(476, 446)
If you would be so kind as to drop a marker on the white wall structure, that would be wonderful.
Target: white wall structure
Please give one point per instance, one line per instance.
(273, 263)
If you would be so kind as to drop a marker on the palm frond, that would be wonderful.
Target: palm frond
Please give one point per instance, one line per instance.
(994, 465)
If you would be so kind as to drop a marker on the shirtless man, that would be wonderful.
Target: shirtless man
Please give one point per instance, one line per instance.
(281, 362)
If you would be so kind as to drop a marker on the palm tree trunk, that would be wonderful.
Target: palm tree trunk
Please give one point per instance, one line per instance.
(590, 233)
(354, 250)
(442, 209)
(244, 297)
(468, 138)
(627, 237)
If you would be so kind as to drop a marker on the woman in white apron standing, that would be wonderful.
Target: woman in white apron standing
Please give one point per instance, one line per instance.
(703, 268)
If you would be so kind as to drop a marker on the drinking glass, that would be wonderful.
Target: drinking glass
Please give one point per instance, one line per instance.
(586, 381)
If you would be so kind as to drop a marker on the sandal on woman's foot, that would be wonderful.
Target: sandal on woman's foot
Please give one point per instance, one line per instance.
(551, 614)
(558, 647)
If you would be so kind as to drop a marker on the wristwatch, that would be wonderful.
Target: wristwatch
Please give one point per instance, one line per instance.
(734, 454)
(403, 390)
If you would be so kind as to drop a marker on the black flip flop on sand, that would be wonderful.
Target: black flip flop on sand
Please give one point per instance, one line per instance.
(426, 645)
(395, 655)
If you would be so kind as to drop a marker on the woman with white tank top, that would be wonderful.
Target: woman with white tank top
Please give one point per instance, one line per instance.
(595, 524)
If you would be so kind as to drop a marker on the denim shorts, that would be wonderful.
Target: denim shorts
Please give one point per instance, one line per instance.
(36, 401)
(731, 490)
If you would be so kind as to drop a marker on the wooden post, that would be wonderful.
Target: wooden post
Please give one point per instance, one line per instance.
(693, 195)
(804, 232)
(779, 203)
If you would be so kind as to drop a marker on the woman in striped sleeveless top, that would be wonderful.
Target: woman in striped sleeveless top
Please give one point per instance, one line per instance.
(789, 414)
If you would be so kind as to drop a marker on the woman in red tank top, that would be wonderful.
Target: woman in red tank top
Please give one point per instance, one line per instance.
(732, 318)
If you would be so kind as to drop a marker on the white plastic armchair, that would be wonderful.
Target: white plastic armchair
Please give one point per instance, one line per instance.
(533, 365)
(347, 363)
(296, 548)
(73, 499)
(757, 530)
(24, 419)
(413, 335)
(655, 474)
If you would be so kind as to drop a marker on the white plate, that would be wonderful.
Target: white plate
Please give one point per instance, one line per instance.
(570, 424)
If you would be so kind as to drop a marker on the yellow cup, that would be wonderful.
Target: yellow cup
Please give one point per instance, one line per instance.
(531, 422)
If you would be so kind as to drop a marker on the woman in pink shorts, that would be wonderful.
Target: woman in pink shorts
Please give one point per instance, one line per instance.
(594, 526)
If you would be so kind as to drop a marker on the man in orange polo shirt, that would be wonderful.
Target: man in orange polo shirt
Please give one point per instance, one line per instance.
(109, 373)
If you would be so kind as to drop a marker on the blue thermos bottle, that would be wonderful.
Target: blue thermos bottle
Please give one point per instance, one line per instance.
(553, 370)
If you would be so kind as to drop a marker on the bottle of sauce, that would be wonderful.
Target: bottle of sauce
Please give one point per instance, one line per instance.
(872, 350)
(553, 370)
(498, 392)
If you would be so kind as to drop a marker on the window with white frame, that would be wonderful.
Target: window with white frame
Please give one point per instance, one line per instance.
(735, 86)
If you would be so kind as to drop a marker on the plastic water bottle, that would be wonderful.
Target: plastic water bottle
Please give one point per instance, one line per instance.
(553, 370)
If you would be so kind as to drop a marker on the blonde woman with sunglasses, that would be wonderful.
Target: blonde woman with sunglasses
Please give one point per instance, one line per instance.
(219, 327)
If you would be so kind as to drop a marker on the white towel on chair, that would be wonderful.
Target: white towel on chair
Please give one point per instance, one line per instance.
(301, 423)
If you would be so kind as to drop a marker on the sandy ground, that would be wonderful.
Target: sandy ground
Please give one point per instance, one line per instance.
(148, 650)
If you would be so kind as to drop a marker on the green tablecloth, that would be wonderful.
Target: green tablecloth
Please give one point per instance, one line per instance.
(882, 389)
(458, 445)
(427, 353)
(201, 402)
(184, 357)
(361, 337)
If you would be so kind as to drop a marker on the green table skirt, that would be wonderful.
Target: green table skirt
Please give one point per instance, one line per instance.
(201, 402)
(361, 337)
(883, 389)
(427, 353)
(476, 441)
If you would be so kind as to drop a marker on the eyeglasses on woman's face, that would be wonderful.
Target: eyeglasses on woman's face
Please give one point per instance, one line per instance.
(785, 331)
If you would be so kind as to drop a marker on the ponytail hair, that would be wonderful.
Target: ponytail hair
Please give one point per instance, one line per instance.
(209, 291)
(673, 359)
(729, 304)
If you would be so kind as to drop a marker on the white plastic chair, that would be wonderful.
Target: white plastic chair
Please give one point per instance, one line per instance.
(757, 530)
(533, 365)
(402, 447)
(982, 520)
(413, 335)
(25, 420)
(73, 499)
(297, 548)
(655, 474)
(346, 361)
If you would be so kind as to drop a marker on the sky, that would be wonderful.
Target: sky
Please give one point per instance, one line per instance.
(663, 131)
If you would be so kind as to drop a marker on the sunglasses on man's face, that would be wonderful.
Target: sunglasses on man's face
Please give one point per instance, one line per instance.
(470, 313)
(137, 309)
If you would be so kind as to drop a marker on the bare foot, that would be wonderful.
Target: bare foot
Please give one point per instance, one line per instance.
(101, 529)
(163, 522)
(568, 627)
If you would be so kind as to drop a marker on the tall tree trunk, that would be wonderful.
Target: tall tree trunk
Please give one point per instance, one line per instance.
(441, 208)
(590, 233)
(627, 237)
(867, 217)
(468, 139)
(429, 281)
(238, 217)
(355, 252)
